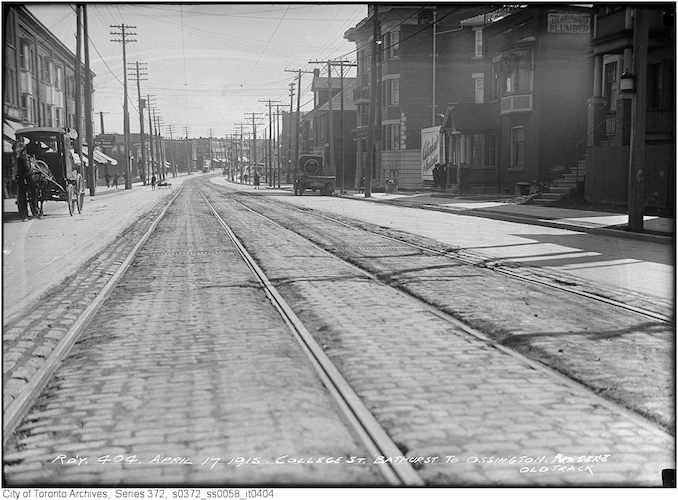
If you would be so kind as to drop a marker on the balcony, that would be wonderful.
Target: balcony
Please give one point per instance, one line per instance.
(515, 104)
(361, 94)
(610, 24)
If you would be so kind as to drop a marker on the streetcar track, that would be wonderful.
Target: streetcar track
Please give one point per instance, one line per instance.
(17, 410)
(574, 384)
(500, 267)
(370, 432)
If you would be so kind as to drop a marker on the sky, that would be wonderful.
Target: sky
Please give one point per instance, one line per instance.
(208, 64)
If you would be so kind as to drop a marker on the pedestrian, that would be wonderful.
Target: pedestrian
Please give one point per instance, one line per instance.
(27, 193)
(443, 177)
(115, 180)
(153, 179)
(361, 186)
(246, 178)
(256, 180)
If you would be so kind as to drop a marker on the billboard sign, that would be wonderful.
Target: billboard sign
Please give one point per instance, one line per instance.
(431, 151)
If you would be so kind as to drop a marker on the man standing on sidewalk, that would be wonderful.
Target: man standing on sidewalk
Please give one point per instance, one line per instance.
(153, 179)
(26, 190)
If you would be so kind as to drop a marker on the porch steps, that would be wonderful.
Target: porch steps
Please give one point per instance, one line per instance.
(565, 186)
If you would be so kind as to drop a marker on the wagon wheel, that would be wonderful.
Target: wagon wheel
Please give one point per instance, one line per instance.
(70, 197)
(80, 193)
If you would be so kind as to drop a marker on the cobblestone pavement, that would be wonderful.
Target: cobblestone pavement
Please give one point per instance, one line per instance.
(622, 356)
(435, 389)
(187, 361)
(30, 338)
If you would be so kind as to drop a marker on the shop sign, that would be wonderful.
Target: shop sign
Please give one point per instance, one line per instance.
(569, 23)
(430, 151)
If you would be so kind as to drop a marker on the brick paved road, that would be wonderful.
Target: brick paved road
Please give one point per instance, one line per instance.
(186, 359)
(437, 391)
(623, 356)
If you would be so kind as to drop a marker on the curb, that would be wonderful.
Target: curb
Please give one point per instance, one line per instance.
(600, 231)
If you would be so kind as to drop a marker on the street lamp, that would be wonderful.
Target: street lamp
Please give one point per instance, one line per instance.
(626, 82)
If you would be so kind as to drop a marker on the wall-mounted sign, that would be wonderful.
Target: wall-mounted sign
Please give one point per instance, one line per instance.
(569, 23)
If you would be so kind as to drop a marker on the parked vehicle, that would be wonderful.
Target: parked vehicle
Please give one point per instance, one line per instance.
(49, 151)
(308, 175)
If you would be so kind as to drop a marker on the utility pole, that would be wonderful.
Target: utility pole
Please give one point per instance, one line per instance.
(330, 118)
(638, 120)
(209, 145)
(241, 125)
(161, 152)
(296, 138)
(376, 40)
(188, 154)
(91, 177)
(252, 116)
(123, 34)
(289, 146)
(271, 180)
(78, 88)
(101, 118)
(138, 67)
(342, 63)
(170, 127)
(149, 105)
(278, 136)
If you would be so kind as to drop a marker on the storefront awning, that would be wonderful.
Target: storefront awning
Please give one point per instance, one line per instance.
(99, 157)
(469, 118)
(76, 157)
(9, 130)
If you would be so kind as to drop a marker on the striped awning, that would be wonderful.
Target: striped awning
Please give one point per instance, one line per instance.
(99, 157)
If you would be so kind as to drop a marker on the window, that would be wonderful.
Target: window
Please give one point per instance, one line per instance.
(479, 83)
(60, 117)
(26, 55)
(11, 86)
(28, 108)
(479, 43)
(610, 85)
(45, 69)
(483, 149)
(391, 45)
(43, 113)
(392, 136)
(518, 147)
(394, 45)
(11, 29)
(361, 62)
(657, 97)
(392, 92)
(516, 72)
(50, 116)
(59, 77)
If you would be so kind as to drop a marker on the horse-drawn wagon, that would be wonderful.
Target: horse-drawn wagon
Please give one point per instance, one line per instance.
(49, 152)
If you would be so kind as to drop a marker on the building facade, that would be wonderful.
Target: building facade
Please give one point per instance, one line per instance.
(609, 106)
(38, 78)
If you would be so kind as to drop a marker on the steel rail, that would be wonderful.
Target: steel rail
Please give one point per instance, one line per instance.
(368, 429)
(16, 411)
(637, 418)
(512, 274)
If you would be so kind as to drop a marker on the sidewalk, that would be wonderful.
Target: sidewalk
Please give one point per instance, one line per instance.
(656, 229)
(495, 206)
